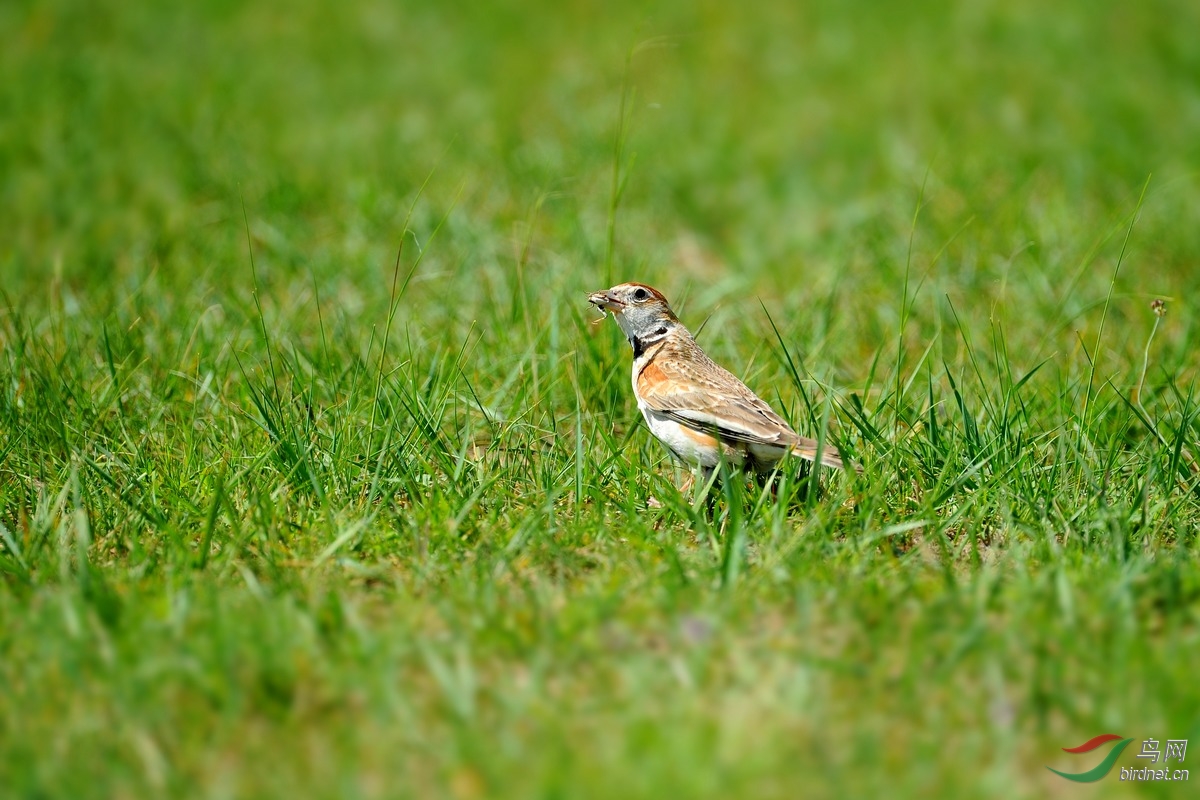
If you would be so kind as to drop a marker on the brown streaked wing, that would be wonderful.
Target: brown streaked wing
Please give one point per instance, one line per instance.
(686, 385)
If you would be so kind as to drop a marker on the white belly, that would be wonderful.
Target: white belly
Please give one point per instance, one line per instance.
(686, 444)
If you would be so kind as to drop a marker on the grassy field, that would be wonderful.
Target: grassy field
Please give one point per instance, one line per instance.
(319, 479)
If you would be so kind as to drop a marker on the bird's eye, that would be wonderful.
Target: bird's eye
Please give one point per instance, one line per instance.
(640, 294)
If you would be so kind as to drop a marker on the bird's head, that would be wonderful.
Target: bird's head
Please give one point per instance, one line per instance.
(642, 311)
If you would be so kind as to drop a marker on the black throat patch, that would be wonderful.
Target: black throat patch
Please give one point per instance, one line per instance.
(639, 344)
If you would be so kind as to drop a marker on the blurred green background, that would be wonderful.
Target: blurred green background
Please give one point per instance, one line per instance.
(247, 552)
(789, 140)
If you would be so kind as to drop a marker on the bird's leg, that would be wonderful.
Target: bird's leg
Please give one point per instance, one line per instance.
(775, 476)
(710, 498)
(689, 484)
(686, 487)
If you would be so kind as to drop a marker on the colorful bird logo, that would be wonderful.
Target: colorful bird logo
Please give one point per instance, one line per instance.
(1101, 769)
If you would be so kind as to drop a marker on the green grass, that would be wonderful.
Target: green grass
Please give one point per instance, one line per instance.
(284, 513)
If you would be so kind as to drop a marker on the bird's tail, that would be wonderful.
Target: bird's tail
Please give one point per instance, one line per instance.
(830, 457)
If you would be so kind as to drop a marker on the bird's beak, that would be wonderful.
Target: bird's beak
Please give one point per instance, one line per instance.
(606, 301)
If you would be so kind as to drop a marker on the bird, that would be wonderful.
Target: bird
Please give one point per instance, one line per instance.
(700, 411)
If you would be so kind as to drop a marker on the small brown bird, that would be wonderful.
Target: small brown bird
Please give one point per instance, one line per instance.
(699, 410)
